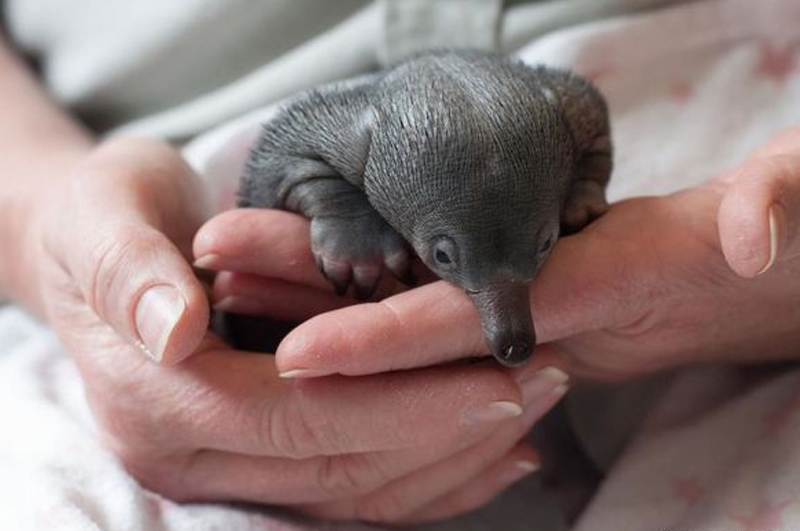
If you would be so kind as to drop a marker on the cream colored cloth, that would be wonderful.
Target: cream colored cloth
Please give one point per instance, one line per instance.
(177, 68)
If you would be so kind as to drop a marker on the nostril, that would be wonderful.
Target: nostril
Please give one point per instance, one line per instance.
(515, 354)
(512, 351)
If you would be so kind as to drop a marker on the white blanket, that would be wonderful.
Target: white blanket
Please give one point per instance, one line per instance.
(692, 90)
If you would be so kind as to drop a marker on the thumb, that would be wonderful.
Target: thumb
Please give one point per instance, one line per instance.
(144, 288)
(759, 214)
(129, 212)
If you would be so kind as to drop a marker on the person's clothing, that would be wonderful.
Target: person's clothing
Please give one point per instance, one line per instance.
(178, 68)
(692, 90)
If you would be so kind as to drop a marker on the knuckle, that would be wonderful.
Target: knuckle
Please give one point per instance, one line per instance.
(106, 258)
(110, 265)
(285, 427)
(343, 476)
(641, 323)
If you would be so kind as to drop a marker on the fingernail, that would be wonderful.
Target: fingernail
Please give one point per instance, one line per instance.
(305, 373)
(206, 261)
(540, 406)
(774, 234)
(518, 470)
(543, 383)
(496, 411)
(158, 311)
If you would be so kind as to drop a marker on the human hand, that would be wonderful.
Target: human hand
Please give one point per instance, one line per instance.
(113, 243)
(657, 282)
(222, 424)
(400, 447)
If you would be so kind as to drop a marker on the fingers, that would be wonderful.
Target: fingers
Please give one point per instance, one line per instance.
(271, 298)
(425, 471)
(417, 328)
(311, 441)
(275, 244)
(760, 212)
(118, 239)
(335, 415)
(421, 327)
(518, 464)
(400, 499)
(266, 265)
(453, 486)
(307, 481)
(268, 243)
(437, 323)
(473, 486)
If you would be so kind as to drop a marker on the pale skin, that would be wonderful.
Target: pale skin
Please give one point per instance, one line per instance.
(88, 227)
(97, 240)
(707, 275)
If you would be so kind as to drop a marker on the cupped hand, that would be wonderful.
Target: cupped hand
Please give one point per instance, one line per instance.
(222, 425)
(407, 446)
(708, 274)
(114, 244)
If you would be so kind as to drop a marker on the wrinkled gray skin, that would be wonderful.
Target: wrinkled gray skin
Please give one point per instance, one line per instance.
(474, 159)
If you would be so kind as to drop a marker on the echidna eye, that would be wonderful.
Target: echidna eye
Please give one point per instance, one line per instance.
(547, 244)
(445, 253)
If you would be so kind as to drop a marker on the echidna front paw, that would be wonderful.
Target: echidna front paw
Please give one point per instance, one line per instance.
(354, 250)
(586, 202)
